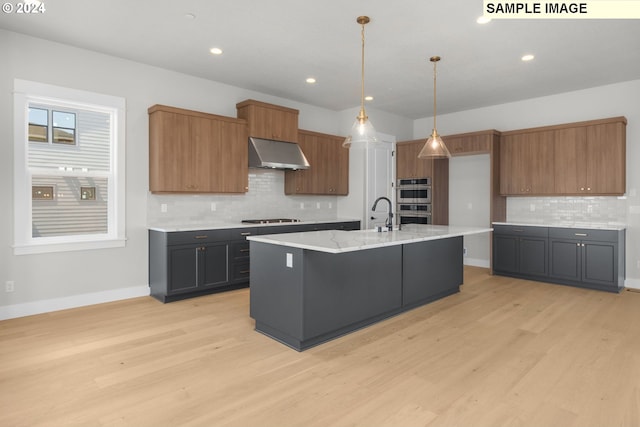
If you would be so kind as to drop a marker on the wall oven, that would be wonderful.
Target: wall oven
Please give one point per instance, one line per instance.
(411, 213)
(413, 191)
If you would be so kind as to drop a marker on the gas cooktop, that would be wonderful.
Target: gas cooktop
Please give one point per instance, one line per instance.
(269, 220)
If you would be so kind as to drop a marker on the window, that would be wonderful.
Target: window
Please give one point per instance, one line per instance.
(69, 174)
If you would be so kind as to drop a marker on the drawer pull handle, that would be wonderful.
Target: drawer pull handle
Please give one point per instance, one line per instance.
(518, 230)
(244, 271)
(245, 234)
(245, 250)
(581, 234)
(200, 237)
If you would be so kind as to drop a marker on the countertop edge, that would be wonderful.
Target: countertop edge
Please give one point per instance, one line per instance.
(582, 226)
(286, 240)
(225, 225)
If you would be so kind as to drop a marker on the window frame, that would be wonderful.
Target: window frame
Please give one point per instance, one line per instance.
(28, 92)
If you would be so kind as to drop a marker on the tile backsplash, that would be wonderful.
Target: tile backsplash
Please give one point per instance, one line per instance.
(265, 199)
(551, 210)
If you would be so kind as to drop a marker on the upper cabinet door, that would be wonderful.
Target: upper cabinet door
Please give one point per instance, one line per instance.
(269, 121)
(329, 171)
(193, 152)
(408, 165)
(606, 160)
(527, 164)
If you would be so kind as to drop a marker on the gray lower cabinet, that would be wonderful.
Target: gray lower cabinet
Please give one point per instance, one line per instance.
(186, 264)
(520, 251)
(589, 258)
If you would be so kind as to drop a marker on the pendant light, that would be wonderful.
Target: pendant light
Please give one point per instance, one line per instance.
(434, 148)
(362, 131)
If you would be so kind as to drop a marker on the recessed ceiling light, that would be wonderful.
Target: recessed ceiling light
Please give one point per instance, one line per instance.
(483, 20)
(216, 51)
(368, 98)
(528, 57)
(311, 80)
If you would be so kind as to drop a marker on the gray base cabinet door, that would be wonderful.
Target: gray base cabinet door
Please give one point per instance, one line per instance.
(505, 254)
(192, 267)
(599, 263)
(533, 256)
(565, 259)
(591, 263)
(519, 251)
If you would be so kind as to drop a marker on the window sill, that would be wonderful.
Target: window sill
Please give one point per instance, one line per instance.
(42, 248)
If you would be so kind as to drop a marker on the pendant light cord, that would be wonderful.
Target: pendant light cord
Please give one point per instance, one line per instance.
(362, 113)
(434, 96)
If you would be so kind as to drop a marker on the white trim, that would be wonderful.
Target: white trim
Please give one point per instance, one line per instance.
(67, 246)
(40, 93)
(476, 262)
(64, 303)
(632, 283)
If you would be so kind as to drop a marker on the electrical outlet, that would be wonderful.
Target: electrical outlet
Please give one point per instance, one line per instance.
(289, 261)
(213, 206)
(464, 251)
(9, 286)
(163, 208)
(532, 207)
(318, 205)
(301, 205)
(638, 264)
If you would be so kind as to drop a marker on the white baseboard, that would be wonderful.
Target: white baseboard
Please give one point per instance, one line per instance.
(476, 262)
(55, 304)
(632, 283)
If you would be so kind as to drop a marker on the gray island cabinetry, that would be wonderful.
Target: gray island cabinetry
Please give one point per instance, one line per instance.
(308, 288)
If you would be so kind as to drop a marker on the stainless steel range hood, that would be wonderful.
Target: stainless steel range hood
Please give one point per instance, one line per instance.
(267, 153)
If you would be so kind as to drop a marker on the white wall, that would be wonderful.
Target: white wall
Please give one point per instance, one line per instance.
(601, 102)
(53, 281)
(469, 197)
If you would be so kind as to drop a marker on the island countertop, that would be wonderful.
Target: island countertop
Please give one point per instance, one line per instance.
(340, 241)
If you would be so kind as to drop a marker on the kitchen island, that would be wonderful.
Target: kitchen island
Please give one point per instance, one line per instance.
(308, 288)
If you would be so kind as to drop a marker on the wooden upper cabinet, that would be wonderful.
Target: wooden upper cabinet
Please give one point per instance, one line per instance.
(408, 165)
(591, 158)
(465, 144)
(584, 158)
(329, 171)
(194, 152)
(527, 163)
(269, 121)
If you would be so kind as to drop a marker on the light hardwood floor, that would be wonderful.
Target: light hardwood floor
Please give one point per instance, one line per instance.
(503, 352)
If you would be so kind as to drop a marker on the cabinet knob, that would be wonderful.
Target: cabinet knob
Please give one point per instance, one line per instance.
(588, 188)
(581, 188)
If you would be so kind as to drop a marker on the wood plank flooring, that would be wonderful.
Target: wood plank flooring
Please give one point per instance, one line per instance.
(503, 352)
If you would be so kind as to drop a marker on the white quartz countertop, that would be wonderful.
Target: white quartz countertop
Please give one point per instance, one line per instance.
(339, 241)
(217, 225)
(587, 225)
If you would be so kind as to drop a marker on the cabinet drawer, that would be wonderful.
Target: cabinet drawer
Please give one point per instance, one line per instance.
(242, 233)
(521, 230)
(241, 271)
(584, 234)
(199, 236)
(240, 250)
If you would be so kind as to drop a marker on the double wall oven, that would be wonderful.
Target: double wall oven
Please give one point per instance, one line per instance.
(413, 200)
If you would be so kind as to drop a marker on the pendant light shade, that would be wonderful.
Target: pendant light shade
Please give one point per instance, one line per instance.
(362, 131)
(434, 148)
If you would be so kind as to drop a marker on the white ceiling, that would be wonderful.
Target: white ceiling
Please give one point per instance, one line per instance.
(272, 46)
